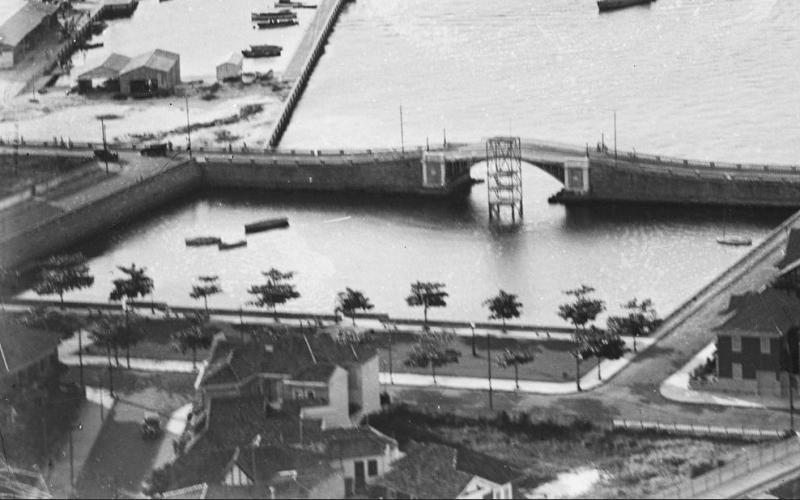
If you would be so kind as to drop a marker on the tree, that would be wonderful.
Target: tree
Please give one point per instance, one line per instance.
(349, 301)
(195, 336)
(66, 324)
(434, 349)
(641, 320)
(137, 284)
(604, 345)
(276, 291)
(515, 358)
(427, 294)
(129, 334)
(105, 333)
(582, 310)
(208, 286)
(63, 273)
(503, 306)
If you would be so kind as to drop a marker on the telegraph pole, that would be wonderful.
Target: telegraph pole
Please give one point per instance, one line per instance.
(105, 146)
(402, 139)
(489, 364)
(188, 128)
(615, 134)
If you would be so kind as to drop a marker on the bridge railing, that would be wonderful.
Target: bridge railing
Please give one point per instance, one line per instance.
(673, 162)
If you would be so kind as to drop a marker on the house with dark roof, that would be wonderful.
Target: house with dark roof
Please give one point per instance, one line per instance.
(153, 73)
(327, 380)
(363, 454)
(756, 341)
(440, 471)
(255, 471)
(24, 29)
(27, 356)
(791, 253)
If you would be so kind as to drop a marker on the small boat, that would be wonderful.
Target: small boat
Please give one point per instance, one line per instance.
(605, 5)
(95, 45)
(295, 5)
(202, 241)
(266, 225)
(235, 244)
(283, 17)
(263, 51)
(735, 241)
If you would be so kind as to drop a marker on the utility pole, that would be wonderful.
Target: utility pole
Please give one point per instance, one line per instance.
(402, 138)
(489, 364)
(444, 137)
(391, 373)
(105, 148)
(615, 134)
(188, 128)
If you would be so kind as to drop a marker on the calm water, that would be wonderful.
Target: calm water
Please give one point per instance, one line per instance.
(714, 79)
(707, 78)
(380, 245)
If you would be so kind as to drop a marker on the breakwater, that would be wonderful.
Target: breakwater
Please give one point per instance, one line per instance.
(303, 62)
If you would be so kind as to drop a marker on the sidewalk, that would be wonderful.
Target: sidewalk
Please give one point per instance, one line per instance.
(67, 352)
(676, 388)
(87, 428)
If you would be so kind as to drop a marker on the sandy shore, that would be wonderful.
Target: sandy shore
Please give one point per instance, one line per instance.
(141, 120)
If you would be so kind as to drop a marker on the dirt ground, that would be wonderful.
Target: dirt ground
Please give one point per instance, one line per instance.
(59, 114)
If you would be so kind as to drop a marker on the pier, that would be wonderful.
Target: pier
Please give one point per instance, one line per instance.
(303, 63)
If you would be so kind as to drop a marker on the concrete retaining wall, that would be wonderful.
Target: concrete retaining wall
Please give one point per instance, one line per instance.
(396, 176)
(67, 229)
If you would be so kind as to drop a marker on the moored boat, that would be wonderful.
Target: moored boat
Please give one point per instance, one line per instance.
(202, 241)
(605, 5)
(735, 241)
(234, 244)
(283, 17)
(262, 51)
(266, 225)
(295, 5)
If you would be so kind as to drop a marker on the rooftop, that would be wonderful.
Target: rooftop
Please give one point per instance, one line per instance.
(792, 251)
(355, 442)
(768, 312)
(19, 345)
(439, 471)
(110, 68)
(158, 60)
(25, 20)
(308, 358)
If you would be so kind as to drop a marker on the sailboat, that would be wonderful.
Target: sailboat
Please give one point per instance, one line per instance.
(735, 241)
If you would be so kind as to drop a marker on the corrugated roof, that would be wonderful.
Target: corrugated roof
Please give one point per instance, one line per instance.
(26, 19)
(110, 68)
(157, 60)
(19, 345)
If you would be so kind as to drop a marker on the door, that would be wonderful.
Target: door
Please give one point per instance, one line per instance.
(348, 486)
(360, 482)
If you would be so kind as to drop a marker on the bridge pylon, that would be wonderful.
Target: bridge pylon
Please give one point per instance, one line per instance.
(504, 176)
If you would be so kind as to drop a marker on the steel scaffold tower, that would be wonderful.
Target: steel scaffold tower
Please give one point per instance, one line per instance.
(504, 176)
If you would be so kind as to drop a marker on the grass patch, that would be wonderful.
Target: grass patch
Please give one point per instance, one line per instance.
(553, 361)
(24, 170)
(156, 342)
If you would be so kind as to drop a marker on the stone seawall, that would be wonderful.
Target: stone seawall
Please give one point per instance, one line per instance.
(686, 185)
(401, 176)
(69, 228)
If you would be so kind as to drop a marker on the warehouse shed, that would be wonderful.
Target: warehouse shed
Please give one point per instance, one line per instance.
(154, 73)
(31, 23)
(230, 69)
(107, 74)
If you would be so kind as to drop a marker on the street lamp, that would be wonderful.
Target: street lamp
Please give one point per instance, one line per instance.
(472, 326)
(489, 364)
(71, 459)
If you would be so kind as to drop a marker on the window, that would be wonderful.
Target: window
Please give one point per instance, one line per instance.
(310, 394)
(372, 468)
(736, 343)
(765, 345)
(737, 370)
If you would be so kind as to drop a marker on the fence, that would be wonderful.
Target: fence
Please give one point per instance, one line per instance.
(707, 430)
(669, 161)
(735, 470)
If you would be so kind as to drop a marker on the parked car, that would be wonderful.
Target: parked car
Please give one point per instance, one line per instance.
(155, 150)
(151, 426)
(106, 155)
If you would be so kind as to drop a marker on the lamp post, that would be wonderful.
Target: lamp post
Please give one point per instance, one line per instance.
(489, 365)
(472, 326)
(71, 459)
(188, 128)
(105, 146)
